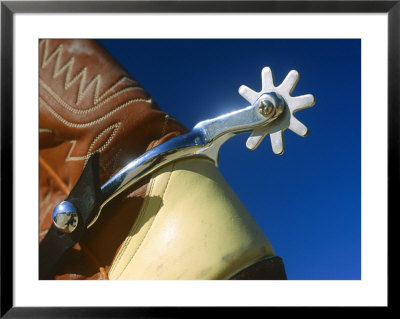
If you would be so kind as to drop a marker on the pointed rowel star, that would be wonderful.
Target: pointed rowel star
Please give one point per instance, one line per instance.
(286, 119)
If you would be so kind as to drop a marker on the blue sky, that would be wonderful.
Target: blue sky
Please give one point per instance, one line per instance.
(308, 200)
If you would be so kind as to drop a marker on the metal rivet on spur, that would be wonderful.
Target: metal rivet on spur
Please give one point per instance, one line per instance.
(265, 107)
(65, 217)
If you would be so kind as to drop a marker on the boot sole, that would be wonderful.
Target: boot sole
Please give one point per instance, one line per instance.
(269, 268)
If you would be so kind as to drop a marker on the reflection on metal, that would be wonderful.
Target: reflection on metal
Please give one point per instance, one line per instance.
(287, 120)
(271, 112)
(65, 217)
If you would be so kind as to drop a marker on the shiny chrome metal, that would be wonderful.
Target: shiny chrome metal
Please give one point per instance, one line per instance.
(271, 112)
(65, 217)
(204, 140)
(287, 120)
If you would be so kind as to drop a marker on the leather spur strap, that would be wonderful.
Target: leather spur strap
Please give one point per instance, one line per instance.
(89, 104)
(86, 197)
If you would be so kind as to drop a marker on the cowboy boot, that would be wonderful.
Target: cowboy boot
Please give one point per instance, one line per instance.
(183, 222)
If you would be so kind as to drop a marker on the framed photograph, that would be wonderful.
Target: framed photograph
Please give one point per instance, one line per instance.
(127, 78)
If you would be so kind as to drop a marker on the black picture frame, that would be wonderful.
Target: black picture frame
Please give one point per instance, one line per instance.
(9, 8)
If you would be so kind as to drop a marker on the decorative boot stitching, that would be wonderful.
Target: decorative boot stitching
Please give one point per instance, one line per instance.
(90, 151)
(81, 125)
(86, 110)
(59, 69)
(98, 100)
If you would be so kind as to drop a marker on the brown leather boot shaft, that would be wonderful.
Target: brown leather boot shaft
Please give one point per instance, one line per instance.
(88, 103)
